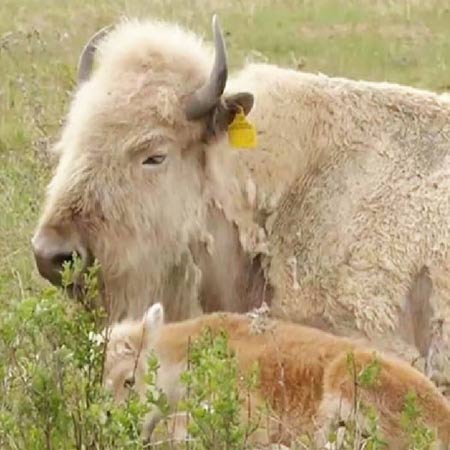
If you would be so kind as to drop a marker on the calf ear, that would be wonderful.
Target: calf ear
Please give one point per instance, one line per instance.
(154, 318)
(124, 348)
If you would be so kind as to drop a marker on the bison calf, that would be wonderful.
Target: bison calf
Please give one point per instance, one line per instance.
(305, 375)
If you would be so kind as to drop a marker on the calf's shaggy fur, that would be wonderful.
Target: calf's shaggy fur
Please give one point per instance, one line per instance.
(304, 372)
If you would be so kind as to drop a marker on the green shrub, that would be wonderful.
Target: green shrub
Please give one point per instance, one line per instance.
(420, 437)
(51, 367)
(51, 395)
(214, 400)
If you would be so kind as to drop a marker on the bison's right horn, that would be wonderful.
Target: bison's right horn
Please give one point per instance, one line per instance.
(86, 60)
(208, 96)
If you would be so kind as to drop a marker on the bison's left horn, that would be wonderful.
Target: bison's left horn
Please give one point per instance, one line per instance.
(86, 60)
(208, 96)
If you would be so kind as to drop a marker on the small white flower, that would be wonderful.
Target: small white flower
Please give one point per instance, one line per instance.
(96, 338)
(103, 418)
(207, 407)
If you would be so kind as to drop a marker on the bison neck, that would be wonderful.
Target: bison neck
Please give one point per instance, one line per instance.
(231, 279)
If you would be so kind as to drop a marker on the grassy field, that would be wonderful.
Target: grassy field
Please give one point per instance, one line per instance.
(405, 41)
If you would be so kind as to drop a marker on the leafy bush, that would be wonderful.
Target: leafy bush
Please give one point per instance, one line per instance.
(51, 395)
(214, 400)
(420, 437)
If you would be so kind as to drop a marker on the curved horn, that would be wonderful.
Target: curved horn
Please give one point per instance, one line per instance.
(207, 96)
(86, 60)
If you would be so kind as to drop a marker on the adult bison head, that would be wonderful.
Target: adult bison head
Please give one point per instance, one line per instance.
(134, 175)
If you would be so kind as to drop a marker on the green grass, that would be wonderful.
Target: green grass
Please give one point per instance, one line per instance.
(400, 41)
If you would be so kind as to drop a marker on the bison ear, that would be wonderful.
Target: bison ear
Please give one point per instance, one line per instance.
(243, 101)
(222, 116)
(154, 318)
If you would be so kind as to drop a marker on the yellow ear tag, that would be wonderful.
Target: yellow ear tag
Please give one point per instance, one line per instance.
(241, 133)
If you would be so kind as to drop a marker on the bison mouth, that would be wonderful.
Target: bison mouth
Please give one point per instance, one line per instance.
(63, 258)
(78, 275)
(87, 288)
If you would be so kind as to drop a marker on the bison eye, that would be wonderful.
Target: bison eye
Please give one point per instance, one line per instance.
(129, 382)
(154, 160)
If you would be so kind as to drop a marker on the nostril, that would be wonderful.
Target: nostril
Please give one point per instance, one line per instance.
(53, 249)
(59, 260)
(51, 266)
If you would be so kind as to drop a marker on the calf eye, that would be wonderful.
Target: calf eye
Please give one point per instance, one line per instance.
(154, 160)
(129, 382)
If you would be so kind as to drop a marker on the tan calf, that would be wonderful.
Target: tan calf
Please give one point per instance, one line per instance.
(304, 372)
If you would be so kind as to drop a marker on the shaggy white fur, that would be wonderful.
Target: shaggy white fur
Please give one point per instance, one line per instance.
(346, 198)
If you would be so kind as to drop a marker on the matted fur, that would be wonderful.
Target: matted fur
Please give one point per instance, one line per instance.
(304, 373)
(343, 202)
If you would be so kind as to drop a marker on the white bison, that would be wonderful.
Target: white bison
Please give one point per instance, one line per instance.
(339, 217)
